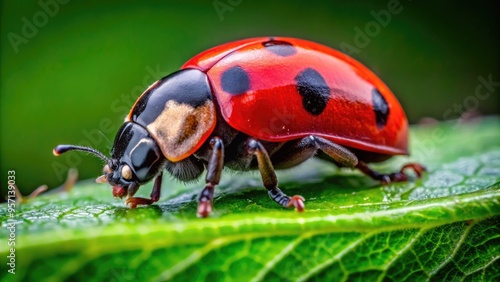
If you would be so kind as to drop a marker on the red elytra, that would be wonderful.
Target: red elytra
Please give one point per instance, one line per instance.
(271, 109)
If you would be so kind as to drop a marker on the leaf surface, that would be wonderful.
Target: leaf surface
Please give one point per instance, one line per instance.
(444, 226)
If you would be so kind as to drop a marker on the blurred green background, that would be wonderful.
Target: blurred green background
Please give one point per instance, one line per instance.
(71, 70)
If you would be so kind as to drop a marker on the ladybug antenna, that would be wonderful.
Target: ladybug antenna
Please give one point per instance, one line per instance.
(61, 149)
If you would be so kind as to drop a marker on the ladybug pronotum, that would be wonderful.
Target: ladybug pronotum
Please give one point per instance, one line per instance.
(259, 103)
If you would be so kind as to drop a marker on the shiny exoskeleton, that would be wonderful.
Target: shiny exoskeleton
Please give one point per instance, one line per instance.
(260, 103)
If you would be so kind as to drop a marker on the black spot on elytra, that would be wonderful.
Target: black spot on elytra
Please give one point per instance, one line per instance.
(280, 48)
(380, 107)
(235, 80)
(314, 91)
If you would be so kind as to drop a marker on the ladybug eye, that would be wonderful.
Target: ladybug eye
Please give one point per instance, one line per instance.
(126, 172)
(106, 169)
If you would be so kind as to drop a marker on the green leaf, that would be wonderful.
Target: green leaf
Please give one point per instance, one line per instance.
(445, 226)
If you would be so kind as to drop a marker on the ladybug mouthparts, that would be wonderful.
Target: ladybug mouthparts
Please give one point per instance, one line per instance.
(119, 191)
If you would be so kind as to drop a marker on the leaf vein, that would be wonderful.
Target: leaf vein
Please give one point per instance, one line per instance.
(271, 263)
(337, 257)
(454, 252)
(398, 254)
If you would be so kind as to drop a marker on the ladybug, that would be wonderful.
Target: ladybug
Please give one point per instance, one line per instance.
(259, 103)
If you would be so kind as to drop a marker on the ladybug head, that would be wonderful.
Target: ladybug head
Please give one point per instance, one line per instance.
(168, 123)
(135, 159)
(178, 111)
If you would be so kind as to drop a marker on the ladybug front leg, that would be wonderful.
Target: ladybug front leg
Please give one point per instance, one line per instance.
(399, 176)
(155, 195)
(269, 178)
(214, 170)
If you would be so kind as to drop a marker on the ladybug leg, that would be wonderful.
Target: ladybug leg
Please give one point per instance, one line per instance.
(341, 155)
(269, 178)
(346, 158)
(399, 176)
(214, 170)
(296, 152)
(155, 195)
